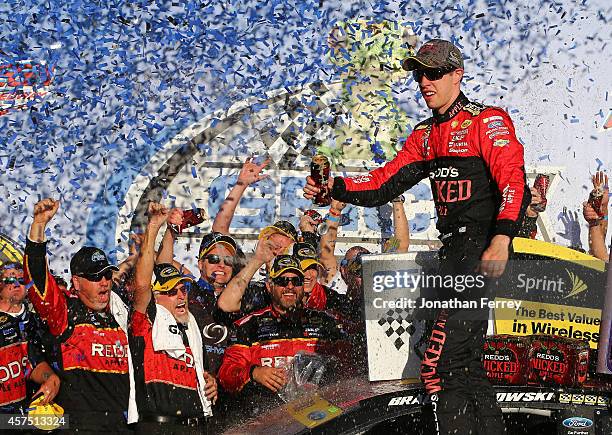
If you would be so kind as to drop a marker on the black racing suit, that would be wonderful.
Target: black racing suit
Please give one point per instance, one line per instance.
(475, 165)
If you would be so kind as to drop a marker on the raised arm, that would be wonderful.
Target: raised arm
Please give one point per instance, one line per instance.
(231, 297)
(43, 292)
(166, 249)
(249, 174)
(598, 219)
(158, 215)
(381, 185)
(328, 242)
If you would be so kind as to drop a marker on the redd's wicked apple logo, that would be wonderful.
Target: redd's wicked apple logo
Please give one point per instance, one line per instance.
(548, 362)
(501, 363)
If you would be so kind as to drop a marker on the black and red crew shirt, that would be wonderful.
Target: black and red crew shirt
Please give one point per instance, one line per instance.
(20, 353)
(164, 385)
(93, 349)
(268, 339)
(473, 160)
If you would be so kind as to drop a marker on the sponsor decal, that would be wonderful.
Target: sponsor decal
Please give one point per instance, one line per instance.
(429, 364)
(583, 399)
(317, 415)
(526, 396)
(577, 422)
(466, 123)
(404, 400)
(497, 132)
(492, 118)
(463, 132)
(501, 142)
(14, 364)
(98, 256)
(276, 361)
(473, 108)
(454, 124)
(167, 271)
(358, 179)
(495, 124)
(214, 331)
(444, 173)
(453, 190)
(578, 285)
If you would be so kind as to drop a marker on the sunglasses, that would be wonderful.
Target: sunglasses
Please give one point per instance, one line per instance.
(97, 277)
(175, 290)
(12, 280)
(216, 259)
(284, 281)
(432, 74)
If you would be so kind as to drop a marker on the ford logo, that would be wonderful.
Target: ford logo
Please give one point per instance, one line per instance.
(577, 422)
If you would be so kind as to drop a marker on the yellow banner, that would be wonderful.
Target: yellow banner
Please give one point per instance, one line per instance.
(550, 319)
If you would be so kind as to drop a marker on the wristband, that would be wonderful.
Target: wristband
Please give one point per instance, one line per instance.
(253, 367)
(604, 218)
(333, 212)
(333, 218)
(399, 199)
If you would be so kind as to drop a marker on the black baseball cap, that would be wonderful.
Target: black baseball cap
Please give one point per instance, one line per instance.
(167, 277)
(90, 261)
(437, 53)
(285, 263)
(211, 239)
(307, 254)
(284, 227)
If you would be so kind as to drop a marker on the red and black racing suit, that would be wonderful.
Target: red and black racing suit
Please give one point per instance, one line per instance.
(266, 338)
(93, 360)
(21, 351)
(475, 165)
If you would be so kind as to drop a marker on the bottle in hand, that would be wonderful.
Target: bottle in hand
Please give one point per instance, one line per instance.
(319, 172)
(191, 217)
(541, 184)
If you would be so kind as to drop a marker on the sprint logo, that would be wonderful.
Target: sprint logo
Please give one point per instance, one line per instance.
(578, 285)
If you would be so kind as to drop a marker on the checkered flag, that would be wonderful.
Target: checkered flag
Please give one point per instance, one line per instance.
(307, 120)
(397, 324)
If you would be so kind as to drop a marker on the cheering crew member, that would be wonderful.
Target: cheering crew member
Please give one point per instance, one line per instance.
(90, 330)
(244, 295)
(268, 339)
(173, 392)
(316, 295)
(21, 356)
(475, 164)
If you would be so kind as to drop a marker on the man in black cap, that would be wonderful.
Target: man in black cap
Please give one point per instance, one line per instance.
(267, 340)
(242, 294)
(90, 330)
(475, 164)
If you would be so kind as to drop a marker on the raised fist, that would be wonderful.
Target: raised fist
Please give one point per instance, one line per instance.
(44, 210)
